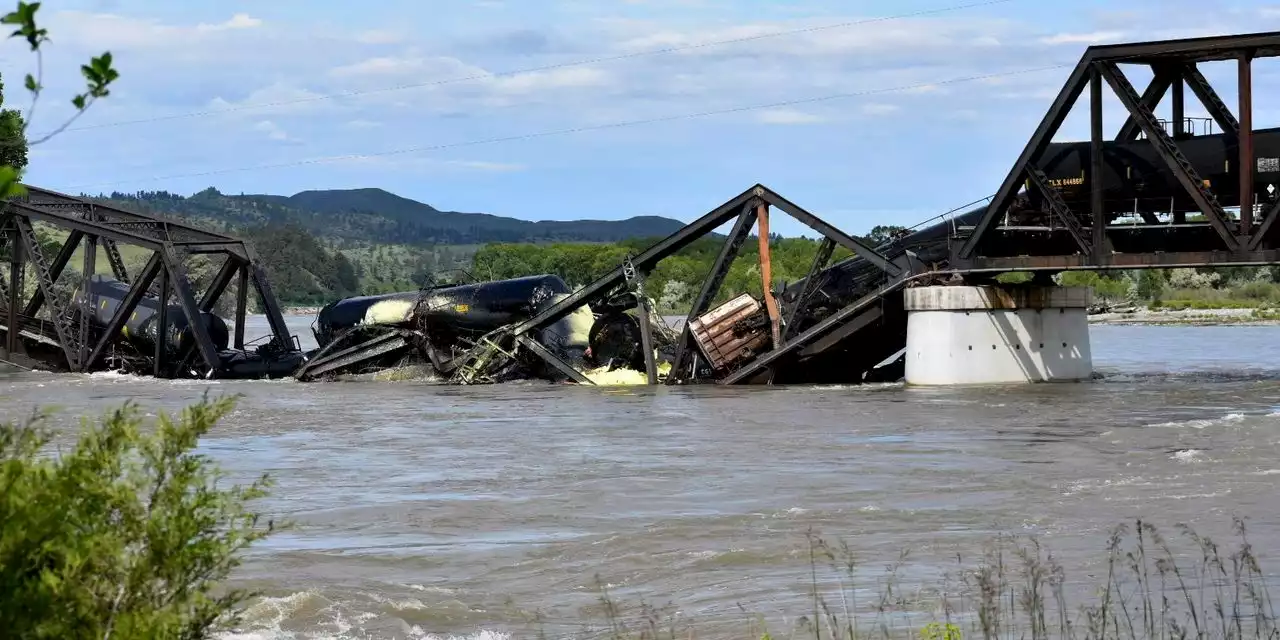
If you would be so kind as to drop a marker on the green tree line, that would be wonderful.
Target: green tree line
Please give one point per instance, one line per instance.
(673, 283)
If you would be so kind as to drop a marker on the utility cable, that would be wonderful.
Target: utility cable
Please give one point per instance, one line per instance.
(549, 67)
(582, 129)
(615, 125)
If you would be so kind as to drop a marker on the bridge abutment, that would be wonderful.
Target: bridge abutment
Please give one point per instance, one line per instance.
(960, 335)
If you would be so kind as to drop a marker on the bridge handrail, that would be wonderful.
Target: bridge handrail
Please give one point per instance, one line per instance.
(950, 215)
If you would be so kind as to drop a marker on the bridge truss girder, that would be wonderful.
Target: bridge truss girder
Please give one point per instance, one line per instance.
(745, 210)
(165, 276)
(1174, 66)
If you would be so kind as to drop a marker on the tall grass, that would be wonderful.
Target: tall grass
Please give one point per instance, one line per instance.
(1154, 588)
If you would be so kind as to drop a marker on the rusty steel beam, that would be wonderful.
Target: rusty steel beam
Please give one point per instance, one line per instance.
(1097, 204)
(646, 259)
(242, 304)
(1059, 207)
(1268, 220)
(270, 305)
(61, 324)
(1031, 153)
(1168, 150)
(46, 198)
(1212, 102)
(1189, 50)
(55, 270)
(820, 260)
(553, 359)
(137, 291)
(1245, 73)
(832, 322)
(16, 266)
(711, 287)
(1179, 106)
(99, 228)
(219, 284)
(858, 247)
(177, 275)
(162, 321)
(86, 303)
(117, 261)
(1162, 260)
(1151, 96)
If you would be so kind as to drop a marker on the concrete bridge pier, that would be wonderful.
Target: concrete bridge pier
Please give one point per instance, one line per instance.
(997, 334)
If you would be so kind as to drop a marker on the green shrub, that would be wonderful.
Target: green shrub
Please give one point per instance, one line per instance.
(126, 535)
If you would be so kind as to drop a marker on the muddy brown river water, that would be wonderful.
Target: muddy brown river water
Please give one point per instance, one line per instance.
(429, 511)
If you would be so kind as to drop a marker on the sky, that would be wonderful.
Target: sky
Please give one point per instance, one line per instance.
(863, 112)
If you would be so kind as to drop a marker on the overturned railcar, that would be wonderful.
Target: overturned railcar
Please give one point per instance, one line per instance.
(134, 349)
(435, 326)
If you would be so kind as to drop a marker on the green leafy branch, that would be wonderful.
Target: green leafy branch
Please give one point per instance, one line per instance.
(98, 73)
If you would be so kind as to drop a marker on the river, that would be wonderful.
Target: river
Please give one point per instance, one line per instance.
(427, 511)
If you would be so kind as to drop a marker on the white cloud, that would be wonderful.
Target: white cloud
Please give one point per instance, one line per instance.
(273, 131)
(419, 68)
(1096, 37)
(277, 98)
(569, 77)
(360, 123)
(114, 32)
(879, 109)
(787, 116)
(237, 21)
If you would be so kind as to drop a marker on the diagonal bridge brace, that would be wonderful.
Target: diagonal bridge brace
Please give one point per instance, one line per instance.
(1060, 209)
(743, 208)
(1168, 151)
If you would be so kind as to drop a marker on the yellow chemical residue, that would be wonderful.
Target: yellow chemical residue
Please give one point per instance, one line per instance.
(389, 312)
(623, 377)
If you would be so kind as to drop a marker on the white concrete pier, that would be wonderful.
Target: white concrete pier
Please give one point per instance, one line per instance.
(997, 335)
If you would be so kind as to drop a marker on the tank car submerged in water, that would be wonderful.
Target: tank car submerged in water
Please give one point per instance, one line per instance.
(438, 323)
(137, 346)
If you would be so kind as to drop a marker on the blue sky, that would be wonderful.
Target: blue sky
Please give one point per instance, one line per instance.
(232, 94)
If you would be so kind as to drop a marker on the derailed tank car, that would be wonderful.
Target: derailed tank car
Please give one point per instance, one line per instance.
(430, 327)
(137, 347)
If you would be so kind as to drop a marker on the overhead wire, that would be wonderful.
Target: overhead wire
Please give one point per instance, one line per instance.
(581, 129)
(548, 67)
(598, 127)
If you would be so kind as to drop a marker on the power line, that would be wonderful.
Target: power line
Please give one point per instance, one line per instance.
(572, 130)
(550, 67)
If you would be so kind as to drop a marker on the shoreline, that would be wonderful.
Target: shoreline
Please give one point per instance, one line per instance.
(1180, 317)
(300, 311)
(1136, 316)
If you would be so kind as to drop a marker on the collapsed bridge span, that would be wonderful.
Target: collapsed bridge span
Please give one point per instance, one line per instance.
(156, 321)
(816, 330)
(1161, 192)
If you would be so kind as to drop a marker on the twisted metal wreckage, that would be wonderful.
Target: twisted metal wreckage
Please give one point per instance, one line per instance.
(1153, 196)
(529, 327)
(609, 333)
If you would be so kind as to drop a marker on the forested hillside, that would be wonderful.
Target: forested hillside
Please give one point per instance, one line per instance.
(374, 216)
(321, 245)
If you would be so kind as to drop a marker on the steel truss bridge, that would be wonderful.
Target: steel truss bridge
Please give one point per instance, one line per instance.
(1158, 193)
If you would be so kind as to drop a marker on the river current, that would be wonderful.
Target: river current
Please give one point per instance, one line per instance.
(427, 511)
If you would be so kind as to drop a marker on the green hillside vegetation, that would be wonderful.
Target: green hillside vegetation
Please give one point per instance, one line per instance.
(675, 281)
(313, 242)
(377, 216)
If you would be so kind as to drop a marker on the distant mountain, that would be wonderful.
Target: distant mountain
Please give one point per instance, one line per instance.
(380, 217)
